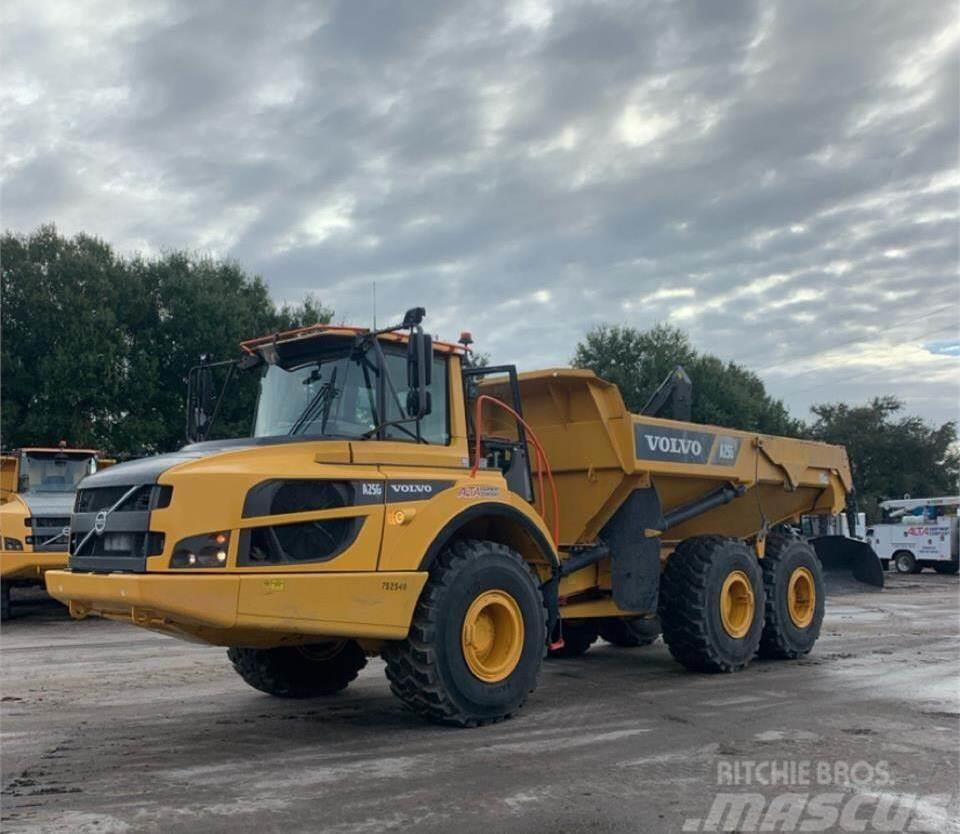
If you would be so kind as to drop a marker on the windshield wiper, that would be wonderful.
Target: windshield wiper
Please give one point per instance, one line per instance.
(322, 400)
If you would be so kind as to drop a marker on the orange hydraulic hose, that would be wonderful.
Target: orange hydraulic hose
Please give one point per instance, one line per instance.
(542, 462)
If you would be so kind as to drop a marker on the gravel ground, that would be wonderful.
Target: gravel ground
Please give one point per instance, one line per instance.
(107, 728)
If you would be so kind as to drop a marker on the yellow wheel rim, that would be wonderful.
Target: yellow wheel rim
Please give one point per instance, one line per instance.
(492, 636)
(801, 597)
(737, 604)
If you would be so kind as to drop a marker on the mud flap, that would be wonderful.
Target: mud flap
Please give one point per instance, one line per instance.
(635, 558)
(847, 562)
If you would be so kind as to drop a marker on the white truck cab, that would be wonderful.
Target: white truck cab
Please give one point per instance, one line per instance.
(918, 533)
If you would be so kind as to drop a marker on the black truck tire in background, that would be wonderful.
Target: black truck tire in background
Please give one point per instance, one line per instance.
(4, 601)
(578, 637)
(300, 671)
(630, 632)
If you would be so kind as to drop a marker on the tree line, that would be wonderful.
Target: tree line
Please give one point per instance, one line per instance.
(96, 347)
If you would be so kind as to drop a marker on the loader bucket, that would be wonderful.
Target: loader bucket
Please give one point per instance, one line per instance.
(848, 563)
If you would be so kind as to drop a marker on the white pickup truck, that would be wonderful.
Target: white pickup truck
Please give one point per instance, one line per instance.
(920, 533)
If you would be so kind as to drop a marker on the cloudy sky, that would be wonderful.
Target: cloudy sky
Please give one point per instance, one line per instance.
(778, 178)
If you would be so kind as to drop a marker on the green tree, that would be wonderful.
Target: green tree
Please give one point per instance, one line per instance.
(63, 349)
(891, 454)
(724, 394)
(96, 347)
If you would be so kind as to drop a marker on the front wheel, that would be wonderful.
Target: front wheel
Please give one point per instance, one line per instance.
(711, 604)
(477, 639)
(905, 562)
(300, 671)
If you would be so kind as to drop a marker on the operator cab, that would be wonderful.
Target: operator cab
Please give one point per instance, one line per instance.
(330, 382)
(54, 470)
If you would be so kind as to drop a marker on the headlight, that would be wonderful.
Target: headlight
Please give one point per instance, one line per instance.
(12, 544)
(208, 550)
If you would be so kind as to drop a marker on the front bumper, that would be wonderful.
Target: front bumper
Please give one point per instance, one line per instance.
(18, 564)
(252, 609)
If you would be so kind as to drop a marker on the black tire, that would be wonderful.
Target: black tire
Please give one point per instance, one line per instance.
(690, 593)
(4, 601)
(300, 671)
(782, 638)
(630, 632)
(578, 636)
(948, 568)
(429, 672)
(905, 562)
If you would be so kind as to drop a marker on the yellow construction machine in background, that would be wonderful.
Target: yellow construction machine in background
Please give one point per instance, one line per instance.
(37, 487)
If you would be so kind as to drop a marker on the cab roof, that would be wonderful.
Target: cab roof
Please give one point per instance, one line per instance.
(53, 450)
(316, 331)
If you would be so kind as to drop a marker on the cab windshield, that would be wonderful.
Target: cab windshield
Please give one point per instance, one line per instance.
(338, 393)
(54, 471)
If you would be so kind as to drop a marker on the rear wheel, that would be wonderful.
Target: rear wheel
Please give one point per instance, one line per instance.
(578, 636)
(477, 639)
(794, 598)
(4, 601)
(300, 671)
(630, 632)
(949, 568)
(711, 604)
(905, 562)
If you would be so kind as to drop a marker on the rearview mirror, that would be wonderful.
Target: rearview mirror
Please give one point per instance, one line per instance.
(419, 373)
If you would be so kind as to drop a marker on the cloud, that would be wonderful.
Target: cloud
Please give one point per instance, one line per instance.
(777, 178)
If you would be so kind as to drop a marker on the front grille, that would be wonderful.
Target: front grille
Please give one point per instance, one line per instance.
(124, 541)
(146, 498)
(53, 543)
(47, 533)
(50, 521)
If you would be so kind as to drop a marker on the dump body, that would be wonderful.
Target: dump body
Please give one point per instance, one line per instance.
(600, 453)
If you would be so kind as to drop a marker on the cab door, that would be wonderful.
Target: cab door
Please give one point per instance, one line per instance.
(420, 477)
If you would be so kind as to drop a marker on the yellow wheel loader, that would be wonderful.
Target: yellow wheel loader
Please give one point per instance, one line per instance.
(37, 487)
(458, 521)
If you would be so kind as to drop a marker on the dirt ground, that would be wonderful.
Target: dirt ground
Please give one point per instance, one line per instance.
(107, 728)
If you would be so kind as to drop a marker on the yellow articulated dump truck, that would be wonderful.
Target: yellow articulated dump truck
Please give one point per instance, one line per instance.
(458, 521)
(36, 498)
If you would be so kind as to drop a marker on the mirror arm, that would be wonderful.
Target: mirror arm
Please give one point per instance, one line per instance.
(223, 390)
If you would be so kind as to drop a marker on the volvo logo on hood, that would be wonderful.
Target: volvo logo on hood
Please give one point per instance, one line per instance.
(100, 522)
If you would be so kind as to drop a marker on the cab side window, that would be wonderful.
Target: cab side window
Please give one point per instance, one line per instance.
(434, 428)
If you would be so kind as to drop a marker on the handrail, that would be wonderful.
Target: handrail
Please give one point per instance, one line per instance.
(543, 464)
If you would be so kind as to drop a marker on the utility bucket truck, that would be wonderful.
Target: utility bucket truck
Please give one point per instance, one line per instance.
(459, 521)
(919, 533)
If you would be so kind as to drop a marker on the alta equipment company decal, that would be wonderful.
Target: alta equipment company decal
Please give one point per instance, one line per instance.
(478, 492)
